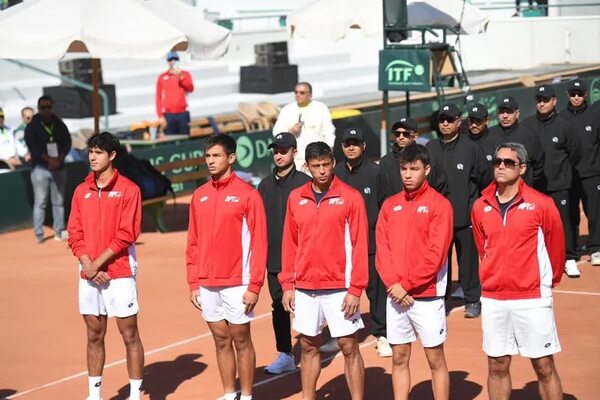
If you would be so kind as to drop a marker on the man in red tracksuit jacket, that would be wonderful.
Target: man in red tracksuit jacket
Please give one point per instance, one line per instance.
(105, 219)
(520, 240)
(226, 261)
(414, 233)
(172, 86)
(325, 259)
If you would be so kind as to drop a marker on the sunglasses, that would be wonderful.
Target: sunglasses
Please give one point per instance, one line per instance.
(449, 120)
(406, 134)
(575, 94)
(508, 162)
(543, 99)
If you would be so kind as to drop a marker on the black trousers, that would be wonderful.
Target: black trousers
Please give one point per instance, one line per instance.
(281, 318)
(562, 201)
(587, 191)
(468, 264)
(377, 300)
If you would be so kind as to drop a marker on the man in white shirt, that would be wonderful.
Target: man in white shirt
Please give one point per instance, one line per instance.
(10, 150)
(308, 120)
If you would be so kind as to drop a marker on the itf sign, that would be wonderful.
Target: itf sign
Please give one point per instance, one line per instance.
(404, 70)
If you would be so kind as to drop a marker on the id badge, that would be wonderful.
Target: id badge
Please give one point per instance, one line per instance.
(52, 149)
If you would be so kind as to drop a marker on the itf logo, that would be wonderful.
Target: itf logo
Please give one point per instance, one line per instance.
(402, 72)
(401, 69)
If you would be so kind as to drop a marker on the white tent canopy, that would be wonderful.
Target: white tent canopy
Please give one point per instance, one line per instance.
(124, 29)
(331, 19)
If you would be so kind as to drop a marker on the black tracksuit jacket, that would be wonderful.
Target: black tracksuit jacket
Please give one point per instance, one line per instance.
(37, 139)
(561, 149)
(275, 192)
(366, 177)
(468, 174)
(534, 175)
(390, 168)
(585, 122)
(487, 143)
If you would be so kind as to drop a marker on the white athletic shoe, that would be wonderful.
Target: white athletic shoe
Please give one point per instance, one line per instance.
(571, 269)
(283, 363)
(61, 236)
(383, 347)
(595, 258)
(458, 293)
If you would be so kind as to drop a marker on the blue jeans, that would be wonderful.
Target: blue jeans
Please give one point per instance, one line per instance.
(178, 123)
(44, 180)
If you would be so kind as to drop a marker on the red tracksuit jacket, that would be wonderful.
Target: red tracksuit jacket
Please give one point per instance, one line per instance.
(523, 254)
(107, 217)
(325, 245)
(414, 232)
(171, 91)
(227, 236)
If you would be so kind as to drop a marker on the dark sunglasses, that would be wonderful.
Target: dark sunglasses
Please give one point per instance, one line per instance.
(508, 162)
(449, 120)
(543, 99)
(575, 94)
(406, 134)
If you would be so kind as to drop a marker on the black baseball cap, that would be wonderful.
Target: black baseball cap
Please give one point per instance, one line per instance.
(509, 103)
(545, 91)
(353, 133)
(478, 111)
(283, 139)
(407, 123)
(449, 110)
(576, 84)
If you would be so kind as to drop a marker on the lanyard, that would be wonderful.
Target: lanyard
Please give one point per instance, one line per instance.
(49, 131)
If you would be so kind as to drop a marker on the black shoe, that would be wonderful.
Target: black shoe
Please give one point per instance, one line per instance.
(472, 310)
(330, 346)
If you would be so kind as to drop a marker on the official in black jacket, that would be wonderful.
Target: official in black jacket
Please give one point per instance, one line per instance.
(366, 177)
(405, 131)
(49, 142)
(275, 190)
(561, 153)
(479, 133)
(509, 130)
(468, 174)
(585, 122)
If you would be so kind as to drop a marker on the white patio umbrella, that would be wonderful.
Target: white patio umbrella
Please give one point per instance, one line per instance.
(331, 19)
(122, 29)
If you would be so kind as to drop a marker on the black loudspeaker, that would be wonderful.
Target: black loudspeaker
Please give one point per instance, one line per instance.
(268, 79)
(73, 102)
(79, 69)
(396, 20)
(275, 53)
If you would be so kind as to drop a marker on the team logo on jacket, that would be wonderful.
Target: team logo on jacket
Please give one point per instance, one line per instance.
(303, 202)
(487, 208)
(423, 209)
(203, 199)
(397, 208)
(367, 190)
(87, 195)
(526, 206)
(337, 201)
(489, 157)
(555, 139)
(563, 202)
(460, 166)
(588, 128)
(114, 194)
(232, 199)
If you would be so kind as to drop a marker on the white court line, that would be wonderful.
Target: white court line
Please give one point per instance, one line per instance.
(576, 292)
(121, 361)
(324, 360)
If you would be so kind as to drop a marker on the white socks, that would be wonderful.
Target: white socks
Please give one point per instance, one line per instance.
(94, 386)
(246, 397)
(135, 386)
(230, 396)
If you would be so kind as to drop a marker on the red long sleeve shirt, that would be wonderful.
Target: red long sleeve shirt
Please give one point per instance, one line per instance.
(325, 245)
(414, 232)
(171, 92)
(107, 217)
(523, 253)
(227, 236)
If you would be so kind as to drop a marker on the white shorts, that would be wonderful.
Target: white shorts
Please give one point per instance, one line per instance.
(117, 298)
(426, 318)
(224, 303)
(525, 327)
(314, 308)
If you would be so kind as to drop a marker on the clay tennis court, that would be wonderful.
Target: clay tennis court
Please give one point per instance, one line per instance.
(42, 336)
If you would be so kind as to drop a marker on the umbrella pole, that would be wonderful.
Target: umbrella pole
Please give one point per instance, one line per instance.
(95, 95)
